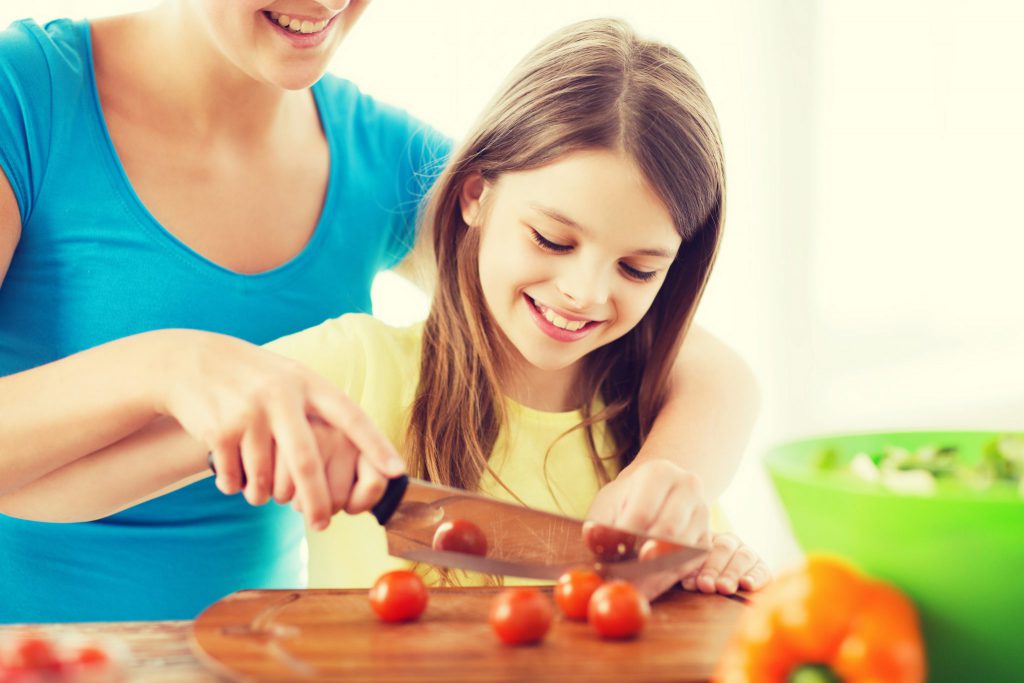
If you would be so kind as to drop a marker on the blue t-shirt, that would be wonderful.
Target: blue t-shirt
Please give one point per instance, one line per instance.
(94, 265)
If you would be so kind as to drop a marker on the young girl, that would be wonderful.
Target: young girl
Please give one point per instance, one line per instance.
(574, 231)
(71, 448)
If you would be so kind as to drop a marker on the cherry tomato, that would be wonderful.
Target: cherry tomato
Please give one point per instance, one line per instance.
(654, 547)
(31, 653)
(607, 543)
(616, 610)
(460, 536)
(573, 591)
(91, 655)
(398, 596)
(520, 616)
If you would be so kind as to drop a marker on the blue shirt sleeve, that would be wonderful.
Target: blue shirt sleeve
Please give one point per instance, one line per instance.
(26, 94)
(422, 161)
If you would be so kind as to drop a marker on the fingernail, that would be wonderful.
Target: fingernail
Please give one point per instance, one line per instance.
(728, 585)
(395, 467)
(746, 582)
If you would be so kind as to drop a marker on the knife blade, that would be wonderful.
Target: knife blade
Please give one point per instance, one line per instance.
(521, 541)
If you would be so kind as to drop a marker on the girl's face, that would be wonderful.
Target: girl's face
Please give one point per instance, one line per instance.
(252, 35)
(572, 254)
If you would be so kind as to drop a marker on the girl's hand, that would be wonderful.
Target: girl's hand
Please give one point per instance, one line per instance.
(355, 485)
(657, 498)
(253, 410)
(730, 566)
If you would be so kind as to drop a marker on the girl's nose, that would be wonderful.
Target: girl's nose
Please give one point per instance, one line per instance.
(585, 286)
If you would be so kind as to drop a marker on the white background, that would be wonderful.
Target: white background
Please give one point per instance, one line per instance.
(873, 263)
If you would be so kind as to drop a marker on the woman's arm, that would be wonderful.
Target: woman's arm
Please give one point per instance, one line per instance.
(255, 410)
(151, 462)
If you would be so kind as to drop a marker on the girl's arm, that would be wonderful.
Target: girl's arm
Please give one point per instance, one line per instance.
(253, 409)
(709, 414)
(693, 448)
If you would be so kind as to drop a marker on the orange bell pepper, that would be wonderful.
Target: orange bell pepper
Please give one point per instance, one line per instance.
(826, 622)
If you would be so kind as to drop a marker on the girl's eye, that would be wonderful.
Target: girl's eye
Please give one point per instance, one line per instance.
(638, 275)
(545, 243)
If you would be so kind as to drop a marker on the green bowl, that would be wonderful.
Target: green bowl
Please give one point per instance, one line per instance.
(957, 553)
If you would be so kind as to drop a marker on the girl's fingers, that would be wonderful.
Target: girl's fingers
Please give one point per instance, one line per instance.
(740, 564)
(228, 467)
(368, 488)
(756, 578)
(641, 506)
(722, 548)
(342, 413)
(258, 463)
(341, 472)
(683, 519)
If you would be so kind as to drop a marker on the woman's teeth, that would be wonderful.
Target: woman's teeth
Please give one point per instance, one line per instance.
(298, 25)
(559, 321)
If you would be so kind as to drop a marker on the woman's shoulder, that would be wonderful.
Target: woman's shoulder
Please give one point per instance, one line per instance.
(362, 118)
(45, 53)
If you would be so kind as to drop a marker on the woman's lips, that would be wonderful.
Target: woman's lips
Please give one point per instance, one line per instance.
(301, 40)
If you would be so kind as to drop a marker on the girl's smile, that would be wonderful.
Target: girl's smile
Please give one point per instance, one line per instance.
(558, 324)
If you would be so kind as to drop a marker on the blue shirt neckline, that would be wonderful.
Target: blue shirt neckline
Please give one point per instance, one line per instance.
(135, 206)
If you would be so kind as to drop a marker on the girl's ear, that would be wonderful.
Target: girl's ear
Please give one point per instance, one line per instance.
(470, 197)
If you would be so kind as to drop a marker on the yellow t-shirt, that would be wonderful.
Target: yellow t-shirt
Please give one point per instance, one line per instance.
(378, 367)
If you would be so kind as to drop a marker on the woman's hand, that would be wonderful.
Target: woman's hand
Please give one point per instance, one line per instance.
(257, 413)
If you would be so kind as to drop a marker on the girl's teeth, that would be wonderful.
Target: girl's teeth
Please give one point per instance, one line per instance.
(298, 25)
(559, 321)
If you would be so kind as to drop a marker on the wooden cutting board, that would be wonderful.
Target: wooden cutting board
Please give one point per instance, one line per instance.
(334, 635)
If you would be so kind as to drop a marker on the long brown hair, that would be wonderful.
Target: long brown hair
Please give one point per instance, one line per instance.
(592, 85)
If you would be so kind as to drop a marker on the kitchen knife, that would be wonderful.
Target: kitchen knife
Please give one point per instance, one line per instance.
(520, 541)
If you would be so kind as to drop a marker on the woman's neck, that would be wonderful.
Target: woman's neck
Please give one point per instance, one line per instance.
(189, 81)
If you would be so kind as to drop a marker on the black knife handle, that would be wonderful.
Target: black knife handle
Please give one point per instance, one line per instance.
(392, 497)
(384, 508)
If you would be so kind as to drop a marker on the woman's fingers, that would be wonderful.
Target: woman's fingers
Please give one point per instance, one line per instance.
(341, 412)
(284, 485)
(296, 444)
(258, 462)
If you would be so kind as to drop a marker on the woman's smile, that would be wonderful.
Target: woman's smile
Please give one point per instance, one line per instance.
(302, 32)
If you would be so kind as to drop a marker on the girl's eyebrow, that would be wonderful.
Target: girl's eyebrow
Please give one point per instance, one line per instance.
(562, 218)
